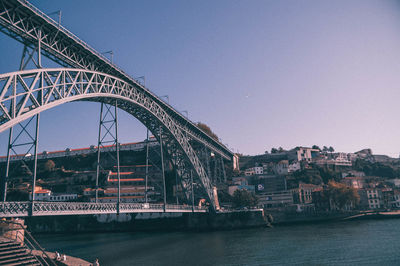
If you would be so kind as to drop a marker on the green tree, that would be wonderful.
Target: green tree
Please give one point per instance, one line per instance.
(274, 150)
(49, 166)
(331, 149)
(316, 147)
(244, 198)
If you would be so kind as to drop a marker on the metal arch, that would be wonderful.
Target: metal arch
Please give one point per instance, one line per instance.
(27, 24)
(19, 92)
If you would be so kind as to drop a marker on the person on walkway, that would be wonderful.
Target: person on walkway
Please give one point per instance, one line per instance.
(58, 257)
(64, 258)
(96, 263)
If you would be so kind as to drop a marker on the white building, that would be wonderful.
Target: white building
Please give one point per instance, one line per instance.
(293, 167)
(41, 194)
(46, 195)
(303, 154)
(341, 159)
(254, 171)
(395, 182)
(373, 199)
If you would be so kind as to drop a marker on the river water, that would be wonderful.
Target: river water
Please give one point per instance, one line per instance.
(368, 242)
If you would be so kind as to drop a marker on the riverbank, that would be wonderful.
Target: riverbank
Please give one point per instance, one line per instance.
(69, 260)
(286, 218)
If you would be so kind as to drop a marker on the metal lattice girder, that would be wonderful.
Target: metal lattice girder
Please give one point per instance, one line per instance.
(22, 209)
(62, 85)
(27, 24)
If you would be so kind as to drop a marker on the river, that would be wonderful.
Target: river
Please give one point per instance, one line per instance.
(367, 242)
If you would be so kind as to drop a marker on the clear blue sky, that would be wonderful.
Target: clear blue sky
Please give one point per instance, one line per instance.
(261, 74)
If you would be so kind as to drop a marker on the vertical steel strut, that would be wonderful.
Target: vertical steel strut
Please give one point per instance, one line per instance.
(191, 181)
(162, 168)
(117, 151)
(147, 166)
(98, 153)
(109, 123)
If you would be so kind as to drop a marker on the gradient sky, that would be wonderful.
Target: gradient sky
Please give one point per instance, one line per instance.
(261, 74)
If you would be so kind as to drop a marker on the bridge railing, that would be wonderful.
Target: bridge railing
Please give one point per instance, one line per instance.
(40, 208)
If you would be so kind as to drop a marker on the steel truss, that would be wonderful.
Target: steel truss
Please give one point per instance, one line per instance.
(26, 140)
(22, 21)
(62, 85)
(108, 135)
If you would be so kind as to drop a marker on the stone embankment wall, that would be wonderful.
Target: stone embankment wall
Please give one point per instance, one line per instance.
(187, 221)
(13, 230)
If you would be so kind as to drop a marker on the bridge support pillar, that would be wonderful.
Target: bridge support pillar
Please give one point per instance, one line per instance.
(162, 168)
(109, 123)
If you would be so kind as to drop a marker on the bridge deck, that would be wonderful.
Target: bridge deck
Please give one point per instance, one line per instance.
(23, 209)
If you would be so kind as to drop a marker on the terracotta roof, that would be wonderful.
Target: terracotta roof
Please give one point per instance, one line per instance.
(125, 179)
(121, 173)
(123, 197)
(43, 191)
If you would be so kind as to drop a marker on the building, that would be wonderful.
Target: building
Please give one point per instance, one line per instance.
(341, 159)
(240, 181)
(127, 195)
(257, 170)
(46, 195)
(303, 154)
(232, 189)
(270, 183)
(374, 198)
(387, 195)
(303, 193)
(275, 199)
(40, 194)
(356, 182)
(395, 182)
(281, 168)
(396, 199)
(134, 146)
(294, 166)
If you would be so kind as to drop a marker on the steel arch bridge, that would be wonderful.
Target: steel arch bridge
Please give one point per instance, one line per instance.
(47, 88)
(89, 76)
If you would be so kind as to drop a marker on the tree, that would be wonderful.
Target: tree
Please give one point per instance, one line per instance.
(49, 166)
(243, 198)
(331, 149)
(274, 150)
(280, 149)
(325, 149)
(339, 195)
(207, 130)
(316, 147)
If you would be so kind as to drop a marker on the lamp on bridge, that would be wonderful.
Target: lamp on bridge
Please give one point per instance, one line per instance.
(111, 53)
(141, 78)
(59, 16)
(166, 97)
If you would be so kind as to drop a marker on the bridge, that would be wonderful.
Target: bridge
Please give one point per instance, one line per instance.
(87, 75)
